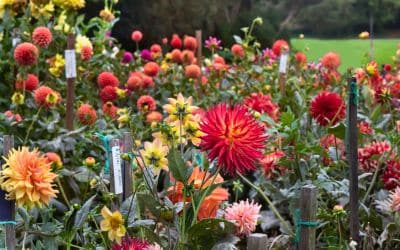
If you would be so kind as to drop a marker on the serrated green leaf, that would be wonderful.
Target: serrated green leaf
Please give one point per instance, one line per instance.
(83, 213)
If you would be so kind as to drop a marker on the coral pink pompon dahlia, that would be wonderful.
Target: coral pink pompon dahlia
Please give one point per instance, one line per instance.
(233, 137)
(245, 215)
(328, 108)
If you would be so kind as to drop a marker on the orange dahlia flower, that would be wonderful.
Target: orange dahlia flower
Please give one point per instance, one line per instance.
(27, 178)
(201, 180)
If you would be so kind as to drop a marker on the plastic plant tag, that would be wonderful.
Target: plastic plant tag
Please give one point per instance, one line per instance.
(70, 64)
(15, 41)
(116, 159)
(283, 62)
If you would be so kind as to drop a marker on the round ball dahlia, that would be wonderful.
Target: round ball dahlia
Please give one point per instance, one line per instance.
(237, 50)
(155, 48)
(86, 53)
(176, 41)
(151, 69)
(42, 37)
(146, 103)
(107, 79)
(86, 114)
(245, 215)
(190, 43)
(134, 82)
(26, 54)
(192, 71)
(233, 137)
(279, 46)
(31, 83)
(301, 58)
(331, 60)
(153, 116)
(187, 57)
(137, 36)
(176, 55)
(46, 97)
(108, 94)
(147, 82)
(328, 108)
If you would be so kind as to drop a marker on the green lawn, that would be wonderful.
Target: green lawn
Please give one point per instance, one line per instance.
(353, 52)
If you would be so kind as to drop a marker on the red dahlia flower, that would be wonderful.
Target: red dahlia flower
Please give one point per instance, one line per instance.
(190, 43)
(146, 103)
(151, 68)
(176, 41)
(46, 97)
(328, 108)
(110, 110)
(108, 94)
(107, 79)
(26, 54)
(367, 155)
(331, 60)
(233, 137)
(237, 50)
(391, 176)
(86, 53)
(262, 104)
(130, 244)
(42, 37)
(31, 83)
(86, 114)
(279, 46)
(192, 71)
(136, 36)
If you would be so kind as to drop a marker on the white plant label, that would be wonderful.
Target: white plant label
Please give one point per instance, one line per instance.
(116, 158)
(70, 63)
(283, 62)
(15, 41)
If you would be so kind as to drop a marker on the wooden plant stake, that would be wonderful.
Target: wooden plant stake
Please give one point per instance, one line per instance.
(116, 179)
(199, 46)
(283, 63)
(352, 158)
(307, 223)
(127, 168)
(7, 208)
(257, 241)
(70, 73)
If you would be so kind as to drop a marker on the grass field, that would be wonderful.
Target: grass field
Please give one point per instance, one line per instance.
(353, 52)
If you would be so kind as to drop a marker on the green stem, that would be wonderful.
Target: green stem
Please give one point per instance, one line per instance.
(101, 234)
(340, 233)
(63, 192)
(271, 205)
(31, 126)
(371, 186)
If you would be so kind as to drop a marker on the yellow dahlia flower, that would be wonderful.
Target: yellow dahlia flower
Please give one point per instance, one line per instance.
(41, 10)
(27, 178)
(155, 155)
(113, 223)
(179, 107)
(82, 41)
(70, 4)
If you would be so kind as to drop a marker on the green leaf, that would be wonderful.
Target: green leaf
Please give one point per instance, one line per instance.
(83, 213)
(128, 210)
(339, 131)
(177, 166)
(376, 113)
(287, 118)
(148, 201)
(206, 233)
